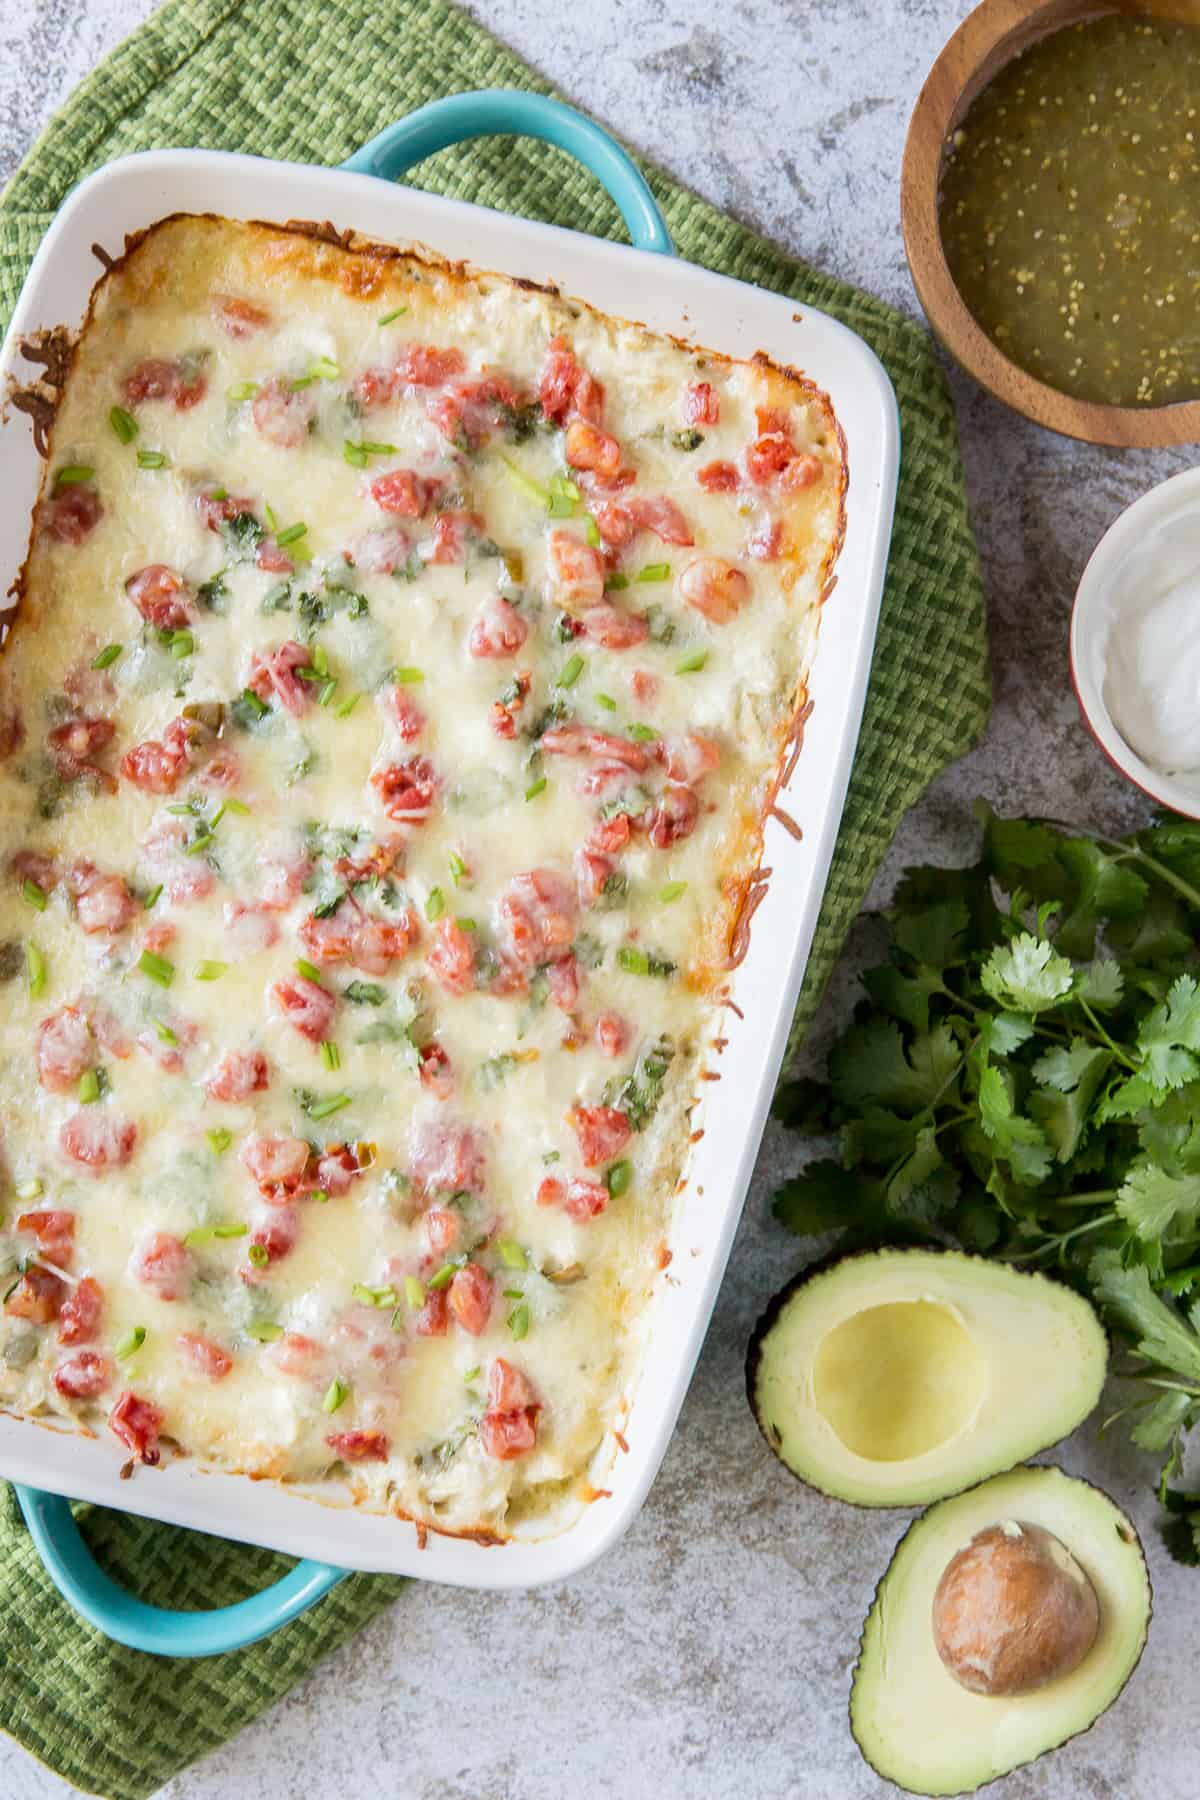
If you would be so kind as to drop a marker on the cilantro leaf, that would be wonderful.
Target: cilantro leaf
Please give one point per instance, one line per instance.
(1170, 1034)
(1006, 1032)
(802, 1105)
(871, 1066)
(821, 1198)
(1104, 887)
(1102, 984)
(877, 1135)
(1158, 1427)
(1161, 1336)
(1064, 1068)
(1019, 1141)
(905, 997)
(1069, 1079)
(934, 934)
(1027, 974)
(1151, 1200)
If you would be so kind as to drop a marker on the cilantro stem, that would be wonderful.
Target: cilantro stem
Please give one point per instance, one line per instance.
(1105, 1039)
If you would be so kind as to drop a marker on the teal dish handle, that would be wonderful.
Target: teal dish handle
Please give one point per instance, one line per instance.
(509, 112)
(85, 1586)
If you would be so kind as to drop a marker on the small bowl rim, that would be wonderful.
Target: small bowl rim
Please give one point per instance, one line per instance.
(952, 83)
(1089, 616)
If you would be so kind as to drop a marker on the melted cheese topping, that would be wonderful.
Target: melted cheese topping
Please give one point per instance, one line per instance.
(393, 1215)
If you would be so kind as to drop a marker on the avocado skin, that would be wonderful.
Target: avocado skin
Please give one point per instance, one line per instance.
(822, 1266)
(882, 1583)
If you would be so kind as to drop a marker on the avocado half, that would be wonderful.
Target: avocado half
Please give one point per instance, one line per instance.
(912, 1720)
(896, 1377)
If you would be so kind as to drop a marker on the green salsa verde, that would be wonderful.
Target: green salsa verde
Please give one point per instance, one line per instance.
(1070, 210)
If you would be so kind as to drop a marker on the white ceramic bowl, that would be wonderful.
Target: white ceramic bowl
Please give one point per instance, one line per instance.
(1108, 582)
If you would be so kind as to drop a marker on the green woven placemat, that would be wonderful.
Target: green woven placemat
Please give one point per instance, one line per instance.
(310, 80)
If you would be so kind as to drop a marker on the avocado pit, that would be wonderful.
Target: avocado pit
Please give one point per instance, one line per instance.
(1013, 1611)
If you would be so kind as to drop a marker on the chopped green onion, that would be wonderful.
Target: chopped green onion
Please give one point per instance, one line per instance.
(327, 692)
(407, 677)
(237, 806)
(245, 390)
(607, 702)
(563, 497)
(324, 369)
(309, 970)
(293, 532)
(465, 924)
(29, 1190)
(271, 516)
(33, 895)
(71, 474)
(644, 734)
(123, 423)
(614, 583)
(458, 867)
(219, 1139)
(444, 1276)
(253, 704)
(435, 905)
(692, 665)
(151, 459)
(518, 1320)
(164, 1033)
(200, 843)
(207, 1234)
(336, 1394)
(324, 1108)
(472, 1374)
(414, 1292)
(354, 454)
(218, 815)
(331, 1056)
(301, 381)
(107, 657)
(89, 1087)
(379, 449)
(263, 1331)
(572, 670)
(394, 314)
(131, 1343)
(347, 706)
(617, 1178)
(535, 788)
(591, 531)
(320, 659)
(218, 493)
(259, 1255)
(634, 962)
(672, 891)
(655, 572)
(157, 968)
(35, 964)
(531, 489)
(512, 1255)
(378, 1296)
(153, 897)
(182, 644)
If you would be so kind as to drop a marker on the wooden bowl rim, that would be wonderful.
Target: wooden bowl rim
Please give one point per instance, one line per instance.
(982, 34)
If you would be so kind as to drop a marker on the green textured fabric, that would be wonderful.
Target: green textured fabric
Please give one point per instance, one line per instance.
(310, 80)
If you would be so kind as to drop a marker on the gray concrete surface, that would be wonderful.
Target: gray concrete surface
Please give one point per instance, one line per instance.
(708, 1658)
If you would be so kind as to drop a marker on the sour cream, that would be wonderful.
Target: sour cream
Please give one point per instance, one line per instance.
(1152, 659)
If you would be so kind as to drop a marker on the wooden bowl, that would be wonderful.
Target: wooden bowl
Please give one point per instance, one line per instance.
(986, 40)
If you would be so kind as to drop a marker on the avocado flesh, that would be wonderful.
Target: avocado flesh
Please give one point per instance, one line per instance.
(896, 1377)
(912, 1721)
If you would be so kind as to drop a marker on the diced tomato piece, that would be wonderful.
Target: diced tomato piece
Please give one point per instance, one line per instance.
(719, 478)
(163, 598)
(587, 447)
(37, 1297)
(768, 456)
(565, 387)
(162, 1263)
(433, 1319)
(71, 514)
(437, 1076)
(610, 835)
(283, 879)
(160, 937)
(692, 757)
(249, 929)
(404, 492)
(272, 560)
(359, 1446)
(591, 873)
(508, 1435)
(425, 365)
(383, 858)
(612, 1033)
(802, 472)
(31, 865)
(582, 740)
(54, 1229)
(509, 1388)
(644, 687)
(537, 914)
(467, 412)
(470, 1298)
(407, 789)
(104, 904)
(714, 588)
(276, 1233)
(404, 712)
(299, 1356)
(374, 945)
(84, 1376)
(446, 1156)
(97, 1140)
(158, 379)
(603, 1132)
(137, 1423)
(238, 1075)
(105, 1029)
(607, 626)
(278, 1164)
(563, 979)
(700, 404)
(766, 542)
(381, 552)
(443, 1227)
(81, 1311)
(451, 533)
(275, 676)
(75, 744)
(375, 387)
(306, 1005)
(451, 960)
(184, 877)
(65, 1049)
(154, 767)
(239, 317)
(337, 1169)
(621, 520)
(498, 631)
(206, 1357)
(328, 940)
(576, 569)
(215, 511)
(579, 1198)
(282, 414)
(673, 817)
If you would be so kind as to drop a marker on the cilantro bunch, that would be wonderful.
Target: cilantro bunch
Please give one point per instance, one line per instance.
(1023, 1079)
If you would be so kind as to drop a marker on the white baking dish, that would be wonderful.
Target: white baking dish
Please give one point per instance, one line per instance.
(669, 296)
